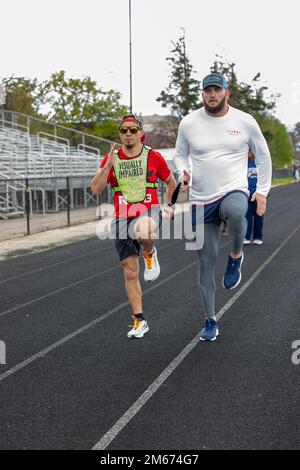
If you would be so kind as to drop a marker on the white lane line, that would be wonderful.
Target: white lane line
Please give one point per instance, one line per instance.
(57, 291)
(70, 286)
(49, 266)
(62, 341)
(112, 433)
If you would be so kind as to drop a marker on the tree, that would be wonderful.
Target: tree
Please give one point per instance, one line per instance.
(77, 103)
(22, 95)
(182, 94)
(254, 99)
(107, 129)
(80, 101)
(161, 131)
(250, 98)
(295, 136)
(297, 131)
(279, 141)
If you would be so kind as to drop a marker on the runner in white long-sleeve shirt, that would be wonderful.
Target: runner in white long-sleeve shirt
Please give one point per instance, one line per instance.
(217, 139)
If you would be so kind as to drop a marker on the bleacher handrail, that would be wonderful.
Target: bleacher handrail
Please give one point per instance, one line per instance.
(45, 145)
(12, 146)
(13, 123)
(83, 146)
(55, 137)
(28, 118)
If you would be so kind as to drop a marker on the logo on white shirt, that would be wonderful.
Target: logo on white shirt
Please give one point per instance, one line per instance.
(233, 132)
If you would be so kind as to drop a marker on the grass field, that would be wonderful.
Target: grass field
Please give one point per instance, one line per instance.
(277, 181)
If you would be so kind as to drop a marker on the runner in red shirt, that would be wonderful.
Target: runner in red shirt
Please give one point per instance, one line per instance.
(133, 172)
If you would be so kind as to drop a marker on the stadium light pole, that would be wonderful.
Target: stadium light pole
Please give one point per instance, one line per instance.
(130, 59)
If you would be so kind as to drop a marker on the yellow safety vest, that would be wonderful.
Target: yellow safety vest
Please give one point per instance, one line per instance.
(131, 175)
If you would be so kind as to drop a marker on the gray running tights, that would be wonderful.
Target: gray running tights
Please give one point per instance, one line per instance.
(232, 210)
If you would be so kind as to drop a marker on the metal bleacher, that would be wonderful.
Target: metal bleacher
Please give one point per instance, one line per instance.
(45, 159)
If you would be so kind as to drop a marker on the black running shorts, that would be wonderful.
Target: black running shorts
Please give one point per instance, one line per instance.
(125, 242)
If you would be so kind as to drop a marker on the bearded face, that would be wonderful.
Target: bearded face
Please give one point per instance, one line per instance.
(215, 99)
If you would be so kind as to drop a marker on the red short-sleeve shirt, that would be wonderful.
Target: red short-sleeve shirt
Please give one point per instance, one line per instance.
(157, 169)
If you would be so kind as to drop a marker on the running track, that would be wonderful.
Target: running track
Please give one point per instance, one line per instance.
(74, 381)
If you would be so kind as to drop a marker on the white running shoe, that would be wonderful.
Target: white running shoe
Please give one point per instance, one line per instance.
(152, 268)
(257, 242)
(140, 327)
(246, 242)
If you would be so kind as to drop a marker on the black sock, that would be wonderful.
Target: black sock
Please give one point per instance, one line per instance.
(139, 316)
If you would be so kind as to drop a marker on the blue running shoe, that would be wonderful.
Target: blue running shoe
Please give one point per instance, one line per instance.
(210, 330)
(233, 275)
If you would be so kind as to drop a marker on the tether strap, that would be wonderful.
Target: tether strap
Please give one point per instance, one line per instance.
(148, 185)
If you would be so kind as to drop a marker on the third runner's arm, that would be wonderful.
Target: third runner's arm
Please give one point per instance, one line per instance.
(259, 147)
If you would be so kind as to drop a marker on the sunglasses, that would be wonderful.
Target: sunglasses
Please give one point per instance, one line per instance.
(131, 129)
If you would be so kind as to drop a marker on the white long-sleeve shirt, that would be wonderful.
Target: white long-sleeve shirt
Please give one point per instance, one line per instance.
(218, 149)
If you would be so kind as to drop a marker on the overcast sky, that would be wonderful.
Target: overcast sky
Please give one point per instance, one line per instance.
(90, 37)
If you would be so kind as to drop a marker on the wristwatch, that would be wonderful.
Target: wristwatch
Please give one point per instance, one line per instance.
(171, 205)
